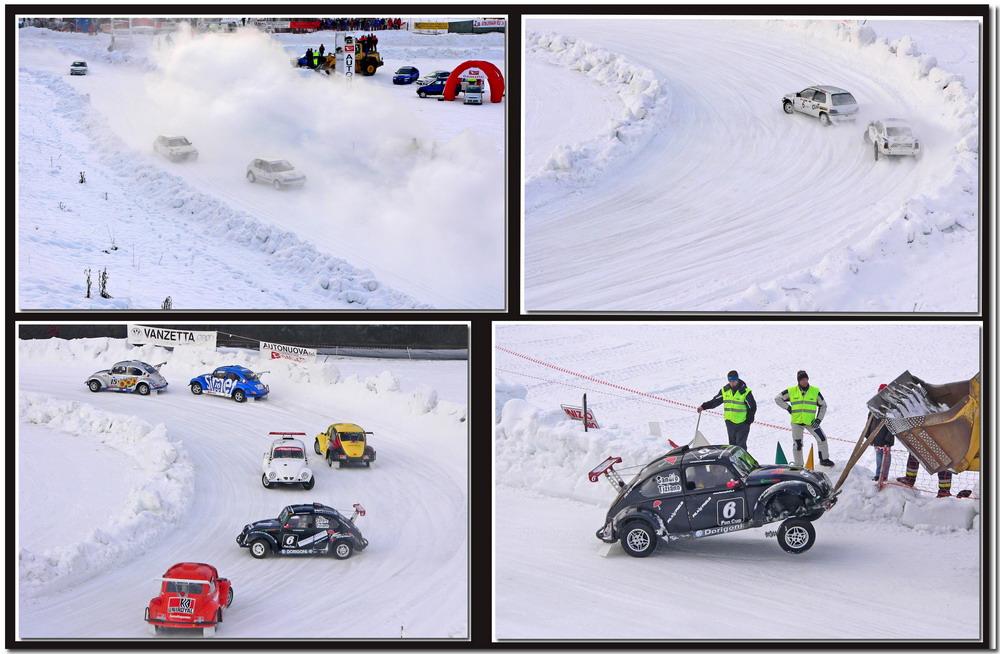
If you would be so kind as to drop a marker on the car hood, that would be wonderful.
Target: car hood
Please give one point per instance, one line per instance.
(288, 467)
(182, 149)
(264, 525)
(289, 174)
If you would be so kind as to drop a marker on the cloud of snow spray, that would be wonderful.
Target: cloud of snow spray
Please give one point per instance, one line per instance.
(372, 167)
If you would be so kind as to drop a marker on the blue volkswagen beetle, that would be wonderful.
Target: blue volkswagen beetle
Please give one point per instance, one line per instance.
(236, 382)
(406, 75)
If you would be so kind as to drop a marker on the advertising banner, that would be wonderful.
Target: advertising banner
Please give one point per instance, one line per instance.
(271, 351)
(142, 335)
(489, 22)
(576, 413)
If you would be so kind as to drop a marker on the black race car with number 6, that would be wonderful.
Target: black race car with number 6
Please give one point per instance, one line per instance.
(305, 529)
(705, 491)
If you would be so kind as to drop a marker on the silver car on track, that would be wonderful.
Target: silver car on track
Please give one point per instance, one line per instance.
(128, 377)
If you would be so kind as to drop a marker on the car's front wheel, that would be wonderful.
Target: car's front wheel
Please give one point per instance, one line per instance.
(277, 185)
(259, 549)
(229, 597)
(422, 94)
(316, 447)
(239, 395)
(250, 177)
(638, 539)
(307, 485)
(142, 389)
(787, 106)
(196, 388)
(875, 149)
(94, 385)
(264, 480)
(342, 549)
(796, 535)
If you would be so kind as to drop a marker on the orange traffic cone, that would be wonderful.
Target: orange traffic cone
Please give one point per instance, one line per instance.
(809, 460)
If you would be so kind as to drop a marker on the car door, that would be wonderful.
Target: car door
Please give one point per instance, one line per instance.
(119, 373)
(663, 494)
(217, 382)
(714, 495)
(233, 380)
(803, 100)
(134, 374)
(820, 100)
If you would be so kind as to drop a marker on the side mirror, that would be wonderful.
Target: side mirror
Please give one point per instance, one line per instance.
(735, 483)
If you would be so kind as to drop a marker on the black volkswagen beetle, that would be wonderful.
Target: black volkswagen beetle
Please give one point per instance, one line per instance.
(705, 491)
(305, 529)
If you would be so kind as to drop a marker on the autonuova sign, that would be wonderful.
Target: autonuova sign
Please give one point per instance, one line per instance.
(142, 335)
(271, 351)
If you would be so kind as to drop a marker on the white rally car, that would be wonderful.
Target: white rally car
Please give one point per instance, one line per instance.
(830, 104)
(277, 172)
(892, 137)
(175, 148)
(286, 462)
(128, 377)
(78, 68)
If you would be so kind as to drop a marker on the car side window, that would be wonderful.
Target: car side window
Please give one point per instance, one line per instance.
(820, 96)
(219, 374)
(232, 375)
(807, 94)
(135, 372)
(118, 370)
(713, 475)
(663, 483)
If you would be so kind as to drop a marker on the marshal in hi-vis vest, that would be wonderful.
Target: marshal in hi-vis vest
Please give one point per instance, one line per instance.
(804, 405)
(735, 403)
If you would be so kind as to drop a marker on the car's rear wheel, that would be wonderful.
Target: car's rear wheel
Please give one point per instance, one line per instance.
(796, 535)
(196, 388)
(142, 389)
(263, 480)
(259, 549)
(824, 120)
(787, 106)
(239, 395)
(94, 385)
(307, 485)
(638, 539)
(277, 185)
(250, 177)
(342, 549)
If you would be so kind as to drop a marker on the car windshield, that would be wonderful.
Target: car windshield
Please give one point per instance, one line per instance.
(743, 462)
(281, 166)
(80, 63)
(899, 131)
(178, 141)
(288, 453)
(474, 89)
(840, 99)
(185, 587)
(283, 516)
(404, 71)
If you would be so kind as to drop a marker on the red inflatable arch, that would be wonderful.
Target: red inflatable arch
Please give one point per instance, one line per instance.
(492, 75)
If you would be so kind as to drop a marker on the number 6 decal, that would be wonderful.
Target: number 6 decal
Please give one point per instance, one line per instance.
(290, 540)
(729, 510)
(732, 510)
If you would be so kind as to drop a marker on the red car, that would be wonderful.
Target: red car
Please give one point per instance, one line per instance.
(192, 596)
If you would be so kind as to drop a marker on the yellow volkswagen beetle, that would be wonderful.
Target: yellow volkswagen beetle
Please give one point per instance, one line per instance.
(344, 442)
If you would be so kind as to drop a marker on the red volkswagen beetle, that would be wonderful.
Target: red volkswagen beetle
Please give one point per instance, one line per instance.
(192, 596)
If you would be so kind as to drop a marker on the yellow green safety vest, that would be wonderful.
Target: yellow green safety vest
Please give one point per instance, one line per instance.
(735, 404)
(804, 405)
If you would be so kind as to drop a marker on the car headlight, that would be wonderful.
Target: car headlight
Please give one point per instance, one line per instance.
(304, 476)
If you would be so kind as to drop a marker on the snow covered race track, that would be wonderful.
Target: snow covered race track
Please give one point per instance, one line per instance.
(699, 193)
(890, 564)
(403, 205)
(116, 488)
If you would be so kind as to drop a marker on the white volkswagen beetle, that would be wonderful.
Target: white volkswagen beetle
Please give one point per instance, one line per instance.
(128, 377)
(892, 137)
(277, 172)
(175, 148)
(286, 462)
(831, 104)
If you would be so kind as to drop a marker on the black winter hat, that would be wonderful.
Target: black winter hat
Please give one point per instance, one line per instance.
(801, 374)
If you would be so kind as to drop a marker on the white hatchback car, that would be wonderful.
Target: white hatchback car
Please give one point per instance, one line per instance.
(175, 148)
(78, 68)
(276, 172)
(892, 137)
(830, 104)
(286, 462)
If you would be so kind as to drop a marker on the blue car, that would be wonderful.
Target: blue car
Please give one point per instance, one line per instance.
(406, 75)
(236, 382)
(432, 88)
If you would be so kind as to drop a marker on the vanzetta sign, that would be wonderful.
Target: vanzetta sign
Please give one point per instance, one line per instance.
(142, 335)
(270, 351)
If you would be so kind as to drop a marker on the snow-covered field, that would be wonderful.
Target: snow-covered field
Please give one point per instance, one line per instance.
(894, 564)
(113, 489)
(404, 205)
(680, 185)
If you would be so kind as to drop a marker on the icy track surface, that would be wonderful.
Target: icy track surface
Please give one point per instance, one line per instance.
(894, 564)
(113, 489)
(697, 193)
(403, 207)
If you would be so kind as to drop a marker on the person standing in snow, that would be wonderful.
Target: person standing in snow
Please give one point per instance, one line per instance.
(807, 407)
(739, 408)
(910, 478)
(309, 58)
(322, 49)
(883, 441)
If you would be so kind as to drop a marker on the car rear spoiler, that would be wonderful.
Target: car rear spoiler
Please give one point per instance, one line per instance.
(186, 581)
(607, 470)
(160, 365)
(359, 511)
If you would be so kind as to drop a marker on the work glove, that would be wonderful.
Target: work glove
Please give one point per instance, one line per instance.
(815, 423)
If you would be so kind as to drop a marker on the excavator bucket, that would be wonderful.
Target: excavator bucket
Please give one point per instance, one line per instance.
(938, 424)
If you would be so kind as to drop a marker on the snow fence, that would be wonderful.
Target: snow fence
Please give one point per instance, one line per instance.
(152, 507)
(945, 213)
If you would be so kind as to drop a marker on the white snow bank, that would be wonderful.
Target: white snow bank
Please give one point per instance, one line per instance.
(507, 390)
(544, 451)
(645, 106)
(151, 509)
(207, 216)
(938, 217)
